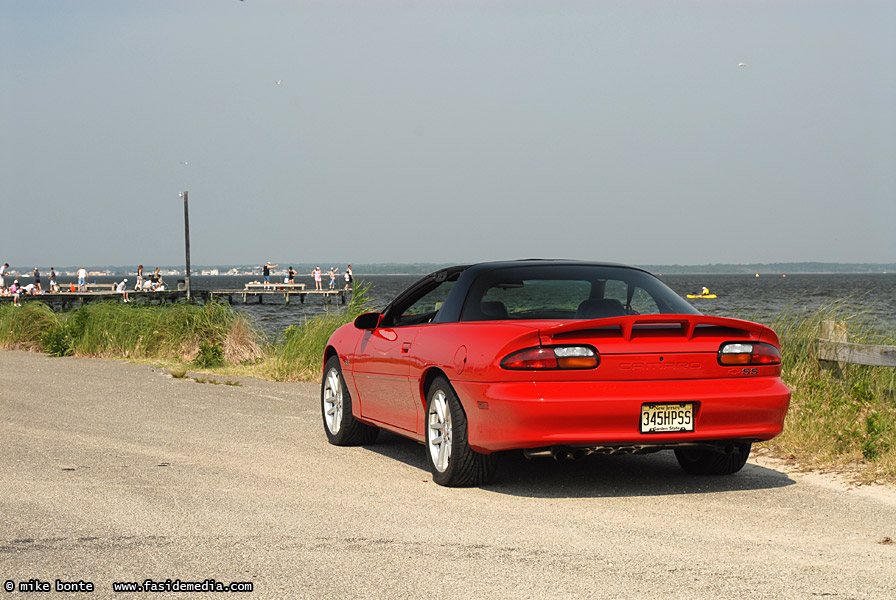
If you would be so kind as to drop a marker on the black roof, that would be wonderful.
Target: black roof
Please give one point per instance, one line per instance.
(466, 274)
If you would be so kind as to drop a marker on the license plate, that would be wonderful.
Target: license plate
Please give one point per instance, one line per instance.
(664, 418)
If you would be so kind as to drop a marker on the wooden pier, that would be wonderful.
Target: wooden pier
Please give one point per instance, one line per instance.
(69, 300)
(280, 290)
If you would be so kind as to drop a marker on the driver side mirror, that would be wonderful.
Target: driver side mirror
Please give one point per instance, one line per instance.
(368, 321)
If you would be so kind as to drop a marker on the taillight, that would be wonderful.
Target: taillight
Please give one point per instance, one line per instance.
(553, 357)
(748, 353)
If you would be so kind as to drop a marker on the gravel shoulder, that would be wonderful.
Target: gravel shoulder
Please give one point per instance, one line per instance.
(113, 471)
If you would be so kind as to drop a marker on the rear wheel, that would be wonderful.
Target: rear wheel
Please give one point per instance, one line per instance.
(705, 461)
(340, 425)
(451, 460)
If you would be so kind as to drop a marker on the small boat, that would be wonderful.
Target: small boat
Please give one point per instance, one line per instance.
(702, 296)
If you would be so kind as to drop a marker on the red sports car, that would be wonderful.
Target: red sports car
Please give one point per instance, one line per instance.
(557, 358)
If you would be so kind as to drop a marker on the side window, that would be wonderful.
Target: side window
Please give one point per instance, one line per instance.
(425, 307)
(643, 303)
(617, 290)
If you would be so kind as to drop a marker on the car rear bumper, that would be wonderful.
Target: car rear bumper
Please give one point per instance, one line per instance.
(505, 416)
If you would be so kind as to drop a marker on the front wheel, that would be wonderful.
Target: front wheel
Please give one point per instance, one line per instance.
(340, 425)
(451, 460)
(705, 461)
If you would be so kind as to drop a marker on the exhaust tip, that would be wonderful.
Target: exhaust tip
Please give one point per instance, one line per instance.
(561, 454)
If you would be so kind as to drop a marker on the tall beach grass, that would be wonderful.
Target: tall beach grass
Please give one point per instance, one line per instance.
(297, 354)
(179, 332)
(839, 417)
(23, 327)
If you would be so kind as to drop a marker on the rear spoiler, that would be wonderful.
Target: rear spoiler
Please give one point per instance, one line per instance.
(688, 324)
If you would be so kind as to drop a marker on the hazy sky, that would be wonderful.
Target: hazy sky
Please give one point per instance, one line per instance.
(447, 130)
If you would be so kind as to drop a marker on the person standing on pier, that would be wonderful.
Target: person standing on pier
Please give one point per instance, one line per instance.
(3, 271)
(36, 275)
(54, 289)
(291, 275)
(139, 284)
(332, 278)
(266, 271)
(349, 278)
(82, 279)
(317, 278)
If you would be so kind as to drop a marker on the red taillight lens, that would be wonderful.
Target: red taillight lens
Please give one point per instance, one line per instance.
(748, 353)
(553, 357)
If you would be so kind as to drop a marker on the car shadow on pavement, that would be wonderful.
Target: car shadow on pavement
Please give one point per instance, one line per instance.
(594, 476)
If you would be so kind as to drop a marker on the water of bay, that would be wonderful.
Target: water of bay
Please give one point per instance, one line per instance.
(760, 299)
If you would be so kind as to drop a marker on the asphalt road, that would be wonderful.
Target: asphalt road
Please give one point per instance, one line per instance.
(113, 472)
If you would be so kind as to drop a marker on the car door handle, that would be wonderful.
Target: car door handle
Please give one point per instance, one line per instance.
(405, 347)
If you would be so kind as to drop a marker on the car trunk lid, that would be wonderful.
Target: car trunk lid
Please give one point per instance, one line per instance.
(652, 347)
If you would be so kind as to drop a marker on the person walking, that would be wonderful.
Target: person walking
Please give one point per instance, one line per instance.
(349, 278)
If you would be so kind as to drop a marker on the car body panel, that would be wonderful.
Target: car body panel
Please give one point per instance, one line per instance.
(381, 376)
(505, 416)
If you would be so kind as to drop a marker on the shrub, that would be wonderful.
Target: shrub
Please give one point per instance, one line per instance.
(210, 356)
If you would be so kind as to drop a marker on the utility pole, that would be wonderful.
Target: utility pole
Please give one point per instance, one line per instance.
(187, 243)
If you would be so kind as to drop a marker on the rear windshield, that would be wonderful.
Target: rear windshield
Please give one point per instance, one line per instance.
(569, 292)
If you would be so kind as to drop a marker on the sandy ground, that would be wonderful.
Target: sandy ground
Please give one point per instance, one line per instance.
(842, 480)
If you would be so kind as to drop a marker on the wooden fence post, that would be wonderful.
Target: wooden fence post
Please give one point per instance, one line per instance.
(832, 334)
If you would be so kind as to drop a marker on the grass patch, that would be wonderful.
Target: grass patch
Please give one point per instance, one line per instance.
(208, 337)
(297, 356)
(26, 327)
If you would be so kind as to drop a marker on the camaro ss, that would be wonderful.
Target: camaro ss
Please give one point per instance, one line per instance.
(554, 358)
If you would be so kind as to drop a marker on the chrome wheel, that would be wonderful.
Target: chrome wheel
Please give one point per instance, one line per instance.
(438, 431)
(333, 401)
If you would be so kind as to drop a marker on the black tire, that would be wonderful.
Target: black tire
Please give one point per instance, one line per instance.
(452, 462)
(705, 461)
(340, 425)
